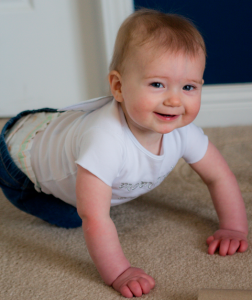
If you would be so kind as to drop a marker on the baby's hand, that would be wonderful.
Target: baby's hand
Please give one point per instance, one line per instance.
(227, 241)
(133, 282)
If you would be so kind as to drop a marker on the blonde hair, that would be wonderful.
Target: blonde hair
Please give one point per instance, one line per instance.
(168, 31)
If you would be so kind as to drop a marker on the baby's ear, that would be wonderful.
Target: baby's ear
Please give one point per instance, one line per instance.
(115, 83)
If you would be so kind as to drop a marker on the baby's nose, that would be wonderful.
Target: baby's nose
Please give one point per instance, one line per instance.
(172, 100)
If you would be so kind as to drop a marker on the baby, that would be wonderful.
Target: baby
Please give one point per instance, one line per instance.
(123, 146)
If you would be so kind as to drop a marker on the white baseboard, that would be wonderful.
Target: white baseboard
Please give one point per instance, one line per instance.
(225, 105)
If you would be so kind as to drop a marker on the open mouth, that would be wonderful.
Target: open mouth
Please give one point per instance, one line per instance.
(166, 117)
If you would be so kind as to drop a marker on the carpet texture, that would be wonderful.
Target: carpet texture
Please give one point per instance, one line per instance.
(163, 232)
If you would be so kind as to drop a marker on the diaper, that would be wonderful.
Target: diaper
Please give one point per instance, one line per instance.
(19, 139)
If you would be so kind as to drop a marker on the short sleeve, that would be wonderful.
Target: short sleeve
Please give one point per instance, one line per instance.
(196, 144)
(101, 154)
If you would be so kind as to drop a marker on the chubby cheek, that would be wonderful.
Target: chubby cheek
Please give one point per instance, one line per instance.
(192, 111)
(137, 114)
(138, 108)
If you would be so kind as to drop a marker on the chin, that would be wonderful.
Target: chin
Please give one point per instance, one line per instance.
(164, 131)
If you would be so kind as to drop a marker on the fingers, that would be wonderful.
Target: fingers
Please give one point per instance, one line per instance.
(213, 246)
(136, 288)
(210, 239)
(233, 247)
(133, 288)
(146, 285)
(133, 282)
(226, 246)
(126, 292)
(243, 246)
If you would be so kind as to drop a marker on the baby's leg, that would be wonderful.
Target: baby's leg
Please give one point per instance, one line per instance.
(43, 206)
(20, 191)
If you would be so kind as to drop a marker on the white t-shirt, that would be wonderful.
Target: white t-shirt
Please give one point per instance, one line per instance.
(101, 142)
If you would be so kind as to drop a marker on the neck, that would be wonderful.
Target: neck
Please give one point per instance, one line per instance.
(151, 141)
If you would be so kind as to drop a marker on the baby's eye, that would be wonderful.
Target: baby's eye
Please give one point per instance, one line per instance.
(188, 87)
(157, 84)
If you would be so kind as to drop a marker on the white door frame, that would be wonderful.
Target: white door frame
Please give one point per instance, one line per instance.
(114, 12)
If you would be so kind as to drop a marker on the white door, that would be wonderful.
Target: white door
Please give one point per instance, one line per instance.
(55, 53)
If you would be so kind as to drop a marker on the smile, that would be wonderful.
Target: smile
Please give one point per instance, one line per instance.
(166, 117)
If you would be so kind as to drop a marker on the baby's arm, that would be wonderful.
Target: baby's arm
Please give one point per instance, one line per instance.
(228, 202)
(93, 205)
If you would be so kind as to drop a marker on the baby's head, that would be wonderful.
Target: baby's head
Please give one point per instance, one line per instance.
(156, 73)
(162, 32)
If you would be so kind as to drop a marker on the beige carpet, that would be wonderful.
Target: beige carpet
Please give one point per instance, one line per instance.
(163, 232)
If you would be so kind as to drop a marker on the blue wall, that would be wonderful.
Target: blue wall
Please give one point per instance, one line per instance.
(227, 29)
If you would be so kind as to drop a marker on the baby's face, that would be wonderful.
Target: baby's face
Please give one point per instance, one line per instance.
(161, 93)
